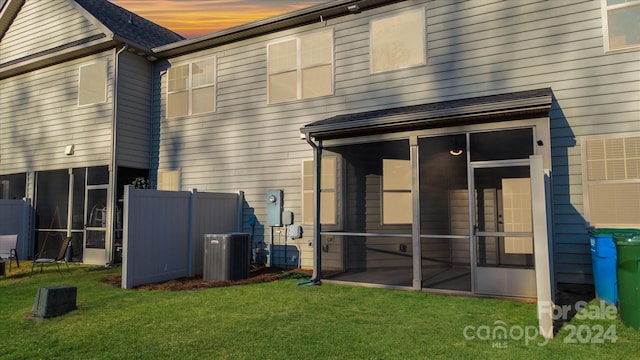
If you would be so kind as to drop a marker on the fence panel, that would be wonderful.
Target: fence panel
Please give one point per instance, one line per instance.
(164, 231)
(156, 236)
(16, 217)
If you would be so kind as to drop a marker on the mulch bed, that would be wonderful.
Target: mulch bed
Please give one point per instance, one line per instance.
(259, 274)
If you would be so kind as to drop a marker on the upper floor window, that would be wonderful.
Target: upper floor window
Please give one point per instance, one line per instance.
(92, 84)
(301, 67)
(621, 20)
(612, 180)
(191, 88)
(398, 41)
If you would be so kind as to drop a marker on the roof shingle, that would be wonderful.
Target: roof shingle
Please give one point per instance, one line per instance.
(129, 26)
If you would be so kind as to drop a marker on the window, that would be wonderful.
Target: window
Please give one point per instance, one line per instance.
(191, 88)
(397, 204)
(613, 181)
(92, 85)
(169, 180)
(621, 21)
(398, 41)
(300, 68)
(327, 191)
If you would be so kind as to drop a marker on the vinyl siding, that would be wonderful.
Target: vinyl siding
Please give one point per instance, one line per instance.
(134, 108)
(44, 25)
(474, 48)
(40, 115)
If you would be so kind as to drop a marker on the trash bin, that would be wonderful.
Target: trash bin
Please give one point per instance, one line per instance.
(603, 262)
(628, 245)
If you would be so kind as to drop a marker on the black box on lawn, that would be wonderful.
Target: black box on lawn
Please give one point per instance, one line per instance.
(54, 301)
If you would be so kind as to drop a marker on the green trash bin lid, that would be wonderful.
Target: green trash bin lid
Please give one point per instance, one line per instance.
(602, 232)
(627, 237)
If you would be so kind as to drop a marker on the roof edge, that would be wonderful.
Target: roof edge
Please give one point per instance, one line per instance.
(524, 103)
(324, 11)
(8, 14)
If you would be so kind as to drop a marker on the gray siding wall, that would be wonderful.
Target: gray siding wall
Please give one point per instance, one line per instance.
(474, 48)
(44, 25)
(134, 109)
(40, 115)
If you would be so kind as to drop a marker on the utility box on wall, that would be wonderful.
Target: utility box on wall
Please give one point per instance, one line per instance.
(274, 208)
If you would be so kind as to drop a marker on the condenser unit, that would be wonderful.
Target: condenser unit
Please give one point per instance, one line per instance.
(226, 256)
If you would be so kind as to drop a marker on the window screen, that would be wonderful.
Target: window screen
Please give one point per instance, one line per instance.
(301, 68)
(398, 41)
(613, 181)
(191, 88)
(328, 181)
(92, 86)
(621, 19)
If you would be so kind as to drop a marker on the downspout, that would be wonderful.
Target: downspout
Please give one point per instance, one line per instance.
(317, 248)
(113, 174)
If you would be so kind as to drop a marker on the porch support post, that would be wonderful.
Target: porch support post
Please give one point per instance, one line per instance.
(415, 227)
(541, 247)
(317, 240)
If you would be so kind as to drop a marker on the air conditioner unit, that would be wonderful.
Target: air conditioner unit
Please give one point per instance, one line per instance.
(226, 256)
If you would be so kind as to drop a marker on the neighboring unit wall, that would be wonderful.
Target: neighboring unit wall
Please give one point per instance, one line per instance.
(473, 49)
(44, 25)
(134, 109)
(40, 116)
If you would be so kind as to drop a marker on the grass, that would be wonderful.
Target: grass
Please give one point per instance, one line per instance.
(280, 320)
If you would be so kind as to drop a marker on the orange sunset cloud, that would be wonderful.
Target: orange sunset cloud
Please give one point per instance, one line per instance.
(192, 18)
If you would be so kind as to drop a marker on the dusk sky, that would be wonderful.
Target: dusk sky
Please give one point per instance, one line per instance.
(191, 18)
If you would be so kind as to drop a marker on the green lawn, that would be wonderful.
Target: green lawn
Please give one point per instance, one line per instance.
(280, 320)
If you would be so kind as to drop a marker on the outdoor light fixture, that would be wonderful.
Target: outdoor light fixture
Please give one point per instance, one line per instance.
(68, 150)
(456, 152)
(354, 9)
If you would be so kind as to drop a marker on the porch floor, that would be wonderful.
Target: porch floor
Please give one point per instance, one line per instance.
(446, 278)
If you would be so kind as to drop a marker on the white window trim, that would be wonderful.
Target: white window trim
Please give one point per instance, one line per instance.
(585, 169)
(190, 88)
(299, 67)
(424, 39)
(106, 82)
(605, 22)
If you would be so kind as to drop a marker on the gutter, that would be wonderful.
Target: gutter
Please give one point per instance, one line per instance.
(310, 15)
(317, 248)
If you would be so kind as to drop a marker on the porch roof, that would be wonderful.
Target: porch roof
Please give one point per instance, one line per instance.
(514, 105)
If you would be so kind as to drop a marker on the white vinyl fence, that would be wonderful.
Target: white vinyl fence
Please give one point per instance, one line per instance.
(16, 217)
(164, 231)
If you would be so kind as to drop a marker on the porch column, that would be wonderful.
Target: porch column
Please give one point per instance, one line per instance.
(415, 226)
(541, 247)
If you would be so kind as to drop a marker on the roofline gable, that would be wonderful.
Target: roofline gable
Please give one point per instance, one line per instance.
(92, 19)
(8, 13)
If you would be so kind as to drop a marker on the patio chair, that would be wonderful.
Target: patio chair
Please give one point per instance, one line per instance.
(8, 245)
(59, 255)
